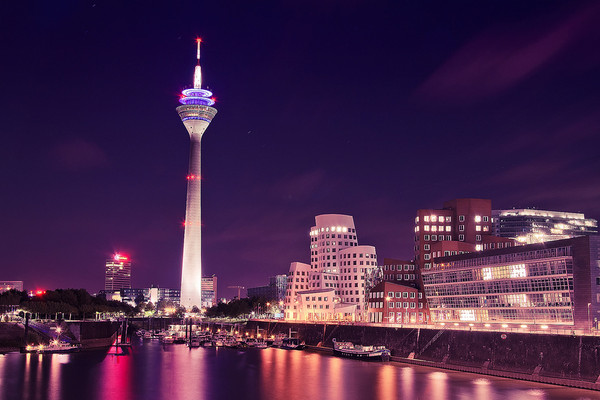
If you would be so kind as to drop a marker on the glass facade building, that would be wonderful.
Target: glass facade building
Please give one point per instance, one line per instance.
(535, 226)
(545, 283)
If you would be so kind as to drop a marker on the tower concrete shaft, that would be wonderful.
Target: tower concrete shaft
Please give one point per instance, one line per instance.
(196, 114)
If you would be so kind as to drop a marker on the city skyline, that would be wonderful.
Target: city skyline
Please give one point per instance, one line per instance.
(371, 110)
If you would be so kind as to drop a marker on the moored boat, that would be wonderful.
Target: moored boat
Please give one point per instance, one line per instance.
(292, 344)
(368, 353)
(54, 346)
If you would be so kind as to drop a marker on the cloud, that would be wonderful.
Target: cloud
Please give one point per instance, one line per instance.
(499, 59)
(78, 154)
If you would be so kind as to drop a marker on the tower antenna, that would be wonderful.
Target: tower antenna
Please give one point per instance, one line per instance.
(198, 70)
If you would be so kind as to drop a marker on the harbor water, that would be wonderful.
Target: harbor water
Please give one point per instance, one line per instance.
(150, 371)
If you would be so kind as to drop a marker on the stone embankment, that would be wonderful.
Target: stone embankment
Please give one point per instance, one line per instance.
(567, 360)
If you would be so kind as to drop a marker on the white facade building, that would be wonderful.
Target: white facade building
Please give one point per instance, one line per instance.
(337, 272)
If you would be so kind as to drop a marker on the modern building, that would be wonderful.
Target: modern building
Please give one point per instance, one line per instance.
(274, 291)
(533, 286)
(535, 226)
(393, 303)
(209, 291)
(11, 285)
(117, 274)
(153, 294)
(338, 263)
(466, 222)
(196, 114)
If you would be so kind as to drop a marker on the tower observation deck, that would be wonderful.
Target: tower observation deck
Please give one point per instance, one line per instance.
(196, 113)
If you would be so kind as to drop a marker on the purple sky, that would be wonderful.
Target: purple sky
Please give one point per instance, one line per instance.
(370, 108)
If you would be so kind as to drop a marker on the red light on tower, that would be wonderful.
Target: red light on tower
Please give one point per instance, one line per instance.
(198, 40)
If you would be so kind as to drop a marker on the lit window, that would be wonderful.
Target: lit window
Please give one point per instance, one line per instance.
(426, 228)
(426, 218)
(478, 228)
(478, 218)
(448, 228)
(434, 218)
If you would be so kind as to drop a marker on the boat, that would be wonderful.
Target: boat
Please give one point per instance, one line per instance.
(292, 344)
(54, 346)
(368, 353)
(194, 342)
(256, 343)
(167, 340)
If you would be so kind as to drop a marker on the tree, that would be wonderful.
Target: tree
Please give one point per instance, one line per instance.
(195, 310)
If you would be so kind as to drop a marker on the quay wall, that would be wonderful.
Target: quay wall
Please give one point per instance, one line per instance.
(568, 360)
(94, 334)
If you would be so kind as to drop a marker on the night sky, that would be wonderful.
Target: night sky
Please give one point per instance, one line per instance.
(372, 109)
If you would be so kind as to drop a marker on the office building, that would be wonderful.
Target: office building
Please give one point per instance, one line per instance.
(209, 291)
(535, 226)
(274, 291)
(462, 225)
(117, 274)
(533, 286)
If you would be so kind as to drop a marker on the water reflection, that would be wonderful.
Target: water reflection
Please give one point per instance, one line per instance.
(151, 371)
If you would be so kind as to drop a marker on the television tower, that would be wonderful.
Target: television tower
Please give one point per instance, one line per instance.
(196, 114)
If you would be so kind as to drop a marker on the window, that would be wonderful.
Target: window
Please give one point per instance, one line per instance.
(461, 237)
(434, 218)
(426, 218)
(427, 256)
(478, 228)
(461, 228)
(426, 247)
(425, 237)
(461, 218)
(448, 219)
(485, 218)
(426, 228)
(433, 238)
(478, 238)
(448, 228)
(405, 295)
(478, 218)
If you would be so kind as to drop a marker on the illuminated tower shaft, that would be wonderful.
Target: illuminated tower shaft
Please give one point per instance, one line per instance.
(196, 114)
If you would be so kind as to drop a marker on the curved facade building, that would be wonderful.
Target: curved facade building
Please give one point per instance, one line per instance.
(332, 287)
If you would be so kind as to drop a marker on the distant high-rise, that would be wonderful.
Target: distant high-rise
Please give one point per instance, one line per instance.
(117, 273)
(196, 114)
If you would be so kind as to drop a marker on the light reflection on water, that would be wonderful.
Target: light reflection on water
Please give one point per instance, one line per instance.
(174, 372)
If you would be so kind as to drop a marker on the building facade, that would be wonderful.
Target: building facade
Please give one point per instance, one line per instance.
(209, 291)
(117, 273)
(553, 283)
(275, 291)
(466, 222)
(152, 294)
(338, 263)
(393, 303)
(536, 226)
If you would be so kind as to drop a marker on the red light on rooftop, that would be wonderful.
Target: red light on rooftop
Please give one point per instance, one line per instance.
(40, 292)
(120, 257)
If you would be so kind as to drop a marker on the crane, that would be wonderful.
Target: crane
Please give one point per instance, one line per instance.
(239, 289)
